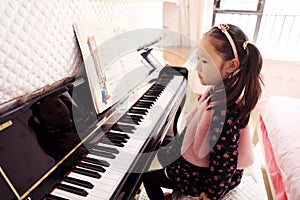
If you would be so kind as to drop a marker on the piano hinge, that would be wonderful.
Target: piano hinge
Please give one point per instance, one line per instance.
(5, 125)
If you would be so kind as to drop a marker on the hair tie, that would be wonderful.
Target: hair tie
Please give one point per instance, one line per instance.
(224, 28)
(245, 44)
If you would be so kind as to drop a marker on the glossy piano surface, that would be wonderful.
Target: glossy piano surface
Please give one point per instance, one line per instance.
(38, 134)
(56, 146)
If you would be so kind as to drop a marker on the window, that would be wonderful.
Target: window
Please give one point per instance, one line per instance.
(245, 5)
(247, 14)
(273, 25)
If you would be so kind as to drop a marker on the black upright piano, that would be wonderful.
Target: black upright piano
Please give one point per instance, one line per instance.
(54, 146)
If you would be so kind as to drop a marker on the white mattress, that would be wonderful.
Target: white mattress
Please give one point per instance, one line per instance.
(38, 46)
(280, 115)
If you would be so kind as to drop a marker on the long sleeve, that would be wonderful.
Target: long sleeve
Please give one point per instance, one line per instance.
(223, 156)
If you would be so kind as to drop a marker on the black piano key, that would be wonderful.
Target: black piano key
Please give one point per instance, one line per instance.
(79, 182)
(138, 111)
(103, 154)
(146, 101)
(107, 149)
(96, 161)
(72, 189)
(155, 90)
(149, 98)
(129, 121)
(123, 135)
(141, 104)
(87, 173)
(113, 143)
(152, 94)
(137, 118)
(123, 128)
(92, 167)
(116, 138)
(53, 197)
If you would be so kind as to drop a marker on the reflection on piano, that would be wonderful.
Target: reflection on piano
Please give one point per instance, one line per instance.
(97, 156)
(54, 127)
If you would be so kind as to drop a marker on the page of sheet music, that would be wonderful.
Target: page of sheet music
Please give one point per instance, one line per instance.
(113, 64)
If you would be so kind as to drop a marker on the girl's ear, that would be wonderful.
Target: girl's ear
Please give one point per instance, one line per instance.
(232, 66)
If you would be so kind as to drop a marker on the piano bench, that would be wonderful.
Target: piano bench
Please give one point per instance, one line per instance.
(251, 187)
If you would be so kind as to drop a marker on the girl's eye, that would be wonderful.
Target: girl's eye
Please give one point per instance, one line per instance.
(204, 62)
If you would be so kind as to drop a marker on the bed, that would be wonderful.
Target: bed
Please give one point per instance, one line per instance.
(278, 131)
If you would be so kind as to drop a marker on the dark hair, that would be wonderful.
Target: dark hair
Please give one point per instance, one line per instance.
(37, 105)
(246, 82)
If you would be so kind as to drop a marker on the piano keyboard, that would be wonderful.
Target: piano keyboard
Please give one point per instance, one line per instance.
(98, 174)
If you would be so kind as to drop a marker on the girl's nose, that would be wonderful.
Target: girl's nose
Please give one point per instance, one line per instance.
(199, 68)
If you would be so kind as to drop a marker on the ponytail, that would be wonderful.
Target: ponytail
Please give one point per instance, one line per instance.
(251, 80)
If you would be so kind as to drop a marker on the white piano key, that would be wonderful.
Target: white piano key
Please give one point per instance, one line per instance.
(102, 191)
(129, 148)
(119, 160)
(94, 181)
(67, 195)
(107, 183)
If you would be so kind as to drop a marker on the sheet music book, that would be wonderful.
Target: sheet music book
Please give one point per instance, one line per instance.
(112, 60)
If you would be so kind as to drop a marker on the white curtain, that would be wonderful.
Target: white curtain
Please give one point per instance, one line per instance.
(191, 18)
(195, 17)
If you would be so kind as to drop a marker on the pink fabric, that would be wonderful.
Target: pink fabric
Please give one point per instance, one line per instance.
(274, 170)
(195, 148)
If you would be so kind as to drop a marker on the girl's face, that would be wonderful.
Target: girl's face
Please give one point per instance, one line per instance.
(211, 68)
(54, 113)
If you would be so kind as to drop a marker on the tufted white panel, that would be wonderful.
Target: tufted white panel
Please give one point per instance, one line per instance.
(38, 45)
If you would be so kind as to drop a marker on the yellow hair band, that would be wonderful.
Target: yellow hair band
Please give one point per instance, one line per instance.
(245, 44)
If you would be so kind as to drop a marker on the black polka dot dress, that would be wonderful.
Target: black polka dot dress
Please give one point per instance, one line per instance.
(222, 174)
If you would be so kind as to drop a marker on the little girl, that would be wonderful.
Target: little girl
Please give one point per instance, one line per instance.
(216, 143)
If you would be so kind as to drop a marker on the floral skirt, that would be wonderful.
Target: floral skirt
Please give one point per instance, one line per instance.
(190, 179)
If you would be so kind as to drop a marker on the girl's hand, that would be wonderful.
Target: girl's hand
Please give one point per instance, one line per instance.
(203, 196)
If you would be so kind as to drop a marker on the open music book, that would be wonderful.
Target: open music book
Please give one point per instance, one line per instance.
(112, 59)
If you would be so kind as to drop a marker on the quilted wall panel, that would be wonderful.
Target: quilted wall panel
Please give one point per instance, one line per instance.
(38, 44)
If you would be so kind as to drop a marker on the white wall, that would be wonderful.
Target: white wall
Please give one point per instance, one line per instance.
(281, 78)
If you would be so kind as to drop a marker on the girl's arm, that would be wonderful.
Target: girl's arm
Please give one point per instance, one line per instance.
(223, 156)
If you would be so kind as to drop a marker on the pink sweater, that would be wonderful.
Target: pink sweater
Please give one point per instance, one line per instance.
(195, 147)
